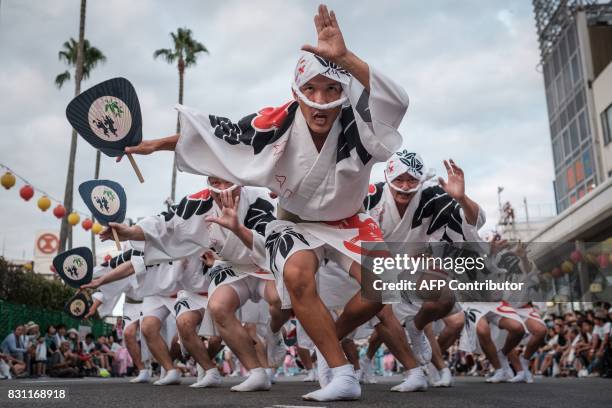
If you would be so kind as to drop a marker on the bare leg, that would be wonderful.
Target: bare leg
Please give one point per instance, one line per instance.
(187, 324)
(538, 334)
(515, 333)
(394, 336)
(486, 343)
(131, 343)
(452, 329)
(299, 277)
(350, 349)
(223, 305)
(305, 357)
(151, 327)
(214, 346)
(436, 354)
(358, 310)
(374, 343)
(260, 348)
(278, 316)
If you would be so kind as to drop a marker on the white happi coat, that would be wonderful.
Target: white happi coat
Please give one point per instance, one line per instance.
(431, 216)
(273, 148)
(110, 294)
(185, 232)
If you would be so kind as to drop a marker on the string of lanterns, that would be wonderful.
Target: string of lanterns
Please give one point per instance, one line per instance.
(44, 202)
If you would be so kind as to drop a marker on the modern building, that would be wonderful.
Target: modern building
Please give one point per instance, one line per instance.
(575, 39)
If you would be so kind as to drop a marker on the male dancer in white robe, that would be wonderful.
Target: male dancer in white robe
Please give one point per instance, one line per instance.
(159, 285)
(410, 211)
(105, 300)
(514, 261)
(316, 154)
(235, 278)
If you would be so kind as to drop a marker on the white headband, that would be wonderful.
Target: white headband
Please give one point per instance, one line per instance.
(310, 65)
(218, 190)
(407, 162)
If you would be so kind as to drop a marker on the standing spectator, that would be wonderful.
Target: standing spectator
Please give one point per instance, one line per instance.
(60, 333)
(40, 357)
(51, 339)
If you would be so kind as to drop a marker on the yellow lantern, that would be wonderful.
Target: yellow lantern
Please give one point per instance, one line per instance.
(74, 218)
(96, 228)
(44, 203)
(7, 180)
(567, 267)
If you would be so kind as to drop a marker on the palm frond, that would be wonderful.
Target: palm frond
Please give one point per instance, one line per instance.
(62, 78)
(169, 55)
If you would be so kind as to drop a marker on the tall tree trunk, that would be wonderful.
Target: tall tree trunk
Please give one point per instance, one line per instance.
(65, 229)
(178, 126)
(93, 236)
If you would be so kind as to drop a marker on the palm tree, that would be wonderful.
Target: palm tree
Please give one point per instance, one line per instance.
(68, 55)
(84, 59)
(185, 54)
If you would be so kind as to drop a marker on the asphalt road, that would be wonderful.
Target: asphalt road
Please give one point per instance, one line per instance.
(467, 392)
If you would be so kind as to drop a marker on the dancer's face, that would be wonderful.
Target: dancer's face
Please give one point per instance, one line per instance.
(321, 90)
(221, 184)
(404, 182)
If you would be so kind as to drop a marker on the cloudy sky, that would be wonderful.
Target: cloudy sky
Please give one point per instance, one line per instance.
(470, 68)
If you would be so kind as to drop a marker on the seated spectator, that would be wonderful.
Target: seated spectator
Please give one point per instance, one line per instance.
(13, 344)
(73, 338)
(63, 363)
(11, 367)
(101, 353)
(88, 347)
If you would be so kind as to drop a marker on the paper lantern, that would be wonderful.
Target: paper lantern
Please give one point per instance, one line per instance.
(44, 203)
(59, 211)
(87, 224)
(7, 180)
(73, 219)
(556, 272)
(576, 256)
(26, 192)
(567, 267)
(96, 228)
(591, 259)
(603, 260)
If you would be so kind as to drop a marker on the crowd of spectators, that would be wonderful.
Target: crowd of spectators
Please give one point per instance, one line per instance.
(60, 352)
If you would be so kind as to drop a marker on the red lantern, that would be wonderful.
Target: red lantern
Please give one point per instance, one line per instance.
(26, 192)
(603, 261)
(556, 272)
(87, 224)
(59, 211)
(576, 256)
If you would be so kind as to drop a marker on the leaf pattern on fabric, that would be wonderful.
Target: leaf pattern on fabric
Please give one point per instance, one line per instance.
(260, 213)
(282, 241)
(195, 204)
(122, 258)
(220, 273)
(257, 129)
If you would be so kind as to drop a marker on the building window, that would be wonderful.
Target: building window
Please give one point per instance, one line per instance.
(588, 166)
(606, 123)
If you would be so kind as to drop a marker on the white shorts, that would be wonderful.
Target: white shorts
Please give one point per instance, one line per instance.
(158, 306)
(493, 313)
(529, 312)
(187, 301)
(247, 287)
(131, 313)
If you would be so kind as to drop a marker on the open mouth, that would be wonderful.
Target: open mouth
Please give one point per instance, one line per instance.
(319, 118)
